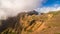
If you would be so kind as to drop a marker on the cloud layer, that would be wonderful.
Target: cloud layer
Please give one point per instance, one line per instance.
(13, 7)
(56, 7)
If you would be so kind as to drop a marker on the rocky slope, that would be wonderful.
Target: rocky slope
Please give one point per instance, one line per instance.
(32, 23)
(53, 25)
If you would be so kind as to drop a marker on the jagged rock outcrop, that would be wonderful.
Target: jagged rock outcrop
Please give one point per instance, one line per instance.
(24, 23)
(11, 22)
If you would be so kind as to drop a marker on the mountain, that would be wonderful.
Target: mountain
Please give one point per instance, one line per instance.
(52, 25)
(32, 23)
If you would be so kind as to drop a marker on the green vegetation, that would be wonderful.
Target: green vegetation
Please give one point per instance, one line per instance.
(56, 33)
(54, 13)
(0, 22)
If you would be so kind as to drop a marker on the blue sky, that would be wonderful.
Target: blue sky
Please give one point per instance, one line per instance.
(48, 3)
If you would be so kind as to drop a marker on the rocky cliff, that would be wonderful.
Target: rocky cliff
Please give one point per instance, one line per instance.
(30, 23)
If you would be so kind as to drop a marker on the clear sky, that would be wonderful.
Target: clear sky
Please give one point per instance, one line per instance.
(48, 3)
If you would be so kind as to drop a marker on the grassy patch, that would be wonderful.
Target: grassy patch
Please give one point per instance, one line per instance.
(30, 31)
(56, 33)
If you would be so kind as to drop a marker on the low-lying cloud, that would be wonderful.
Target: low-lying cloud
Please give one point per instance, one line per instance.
(13, 7)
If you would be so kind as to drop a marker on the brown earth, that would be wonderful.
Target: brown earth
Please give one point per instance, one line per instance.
(47, 23)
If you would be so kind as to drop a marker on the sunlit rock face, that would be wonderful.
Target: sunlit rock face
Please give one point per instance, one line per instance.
(11, 21)
(25, 20)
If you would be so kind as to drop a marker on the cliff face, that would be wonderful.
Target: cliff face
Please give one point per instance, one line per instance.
(29, 23)
(15, 23)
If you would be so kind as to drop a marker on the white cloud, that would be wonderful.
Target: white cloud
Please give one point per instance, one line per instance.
(12, 7)
(2, 15)
(47, 9)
